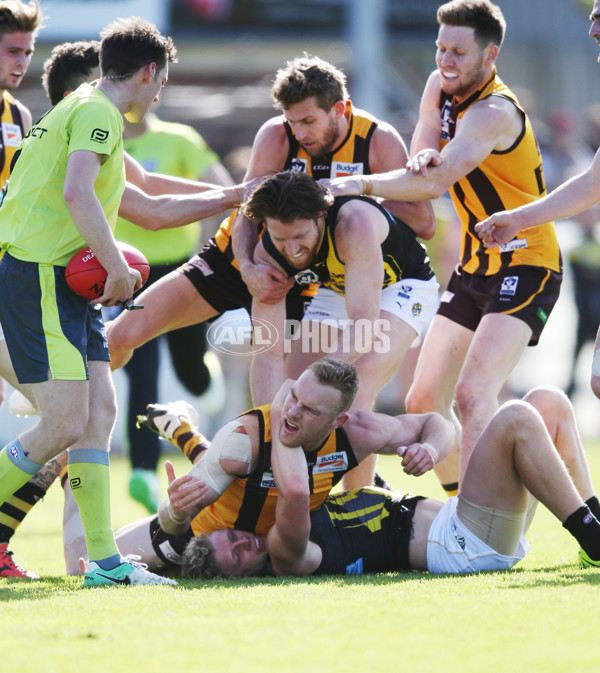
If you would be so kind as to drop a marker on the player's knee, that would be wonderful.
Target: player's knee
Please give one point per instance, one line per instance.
(471, 394)
(119, 335)
(550, 401)
(420, 401)
(515, 416)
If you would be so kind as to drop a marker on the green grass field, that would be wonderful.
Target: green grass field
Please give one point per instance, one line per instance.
(540, 616)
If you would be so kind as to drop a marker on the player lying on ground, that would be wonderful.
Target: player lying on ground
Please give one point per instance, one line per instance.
(517, 426)
(231, 485)
(367, 530)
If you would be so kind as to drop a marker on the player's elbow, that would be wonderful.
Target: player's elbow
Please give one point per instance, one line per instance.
(435, 188)
(72, 194)
(296, 488)
(426, 229)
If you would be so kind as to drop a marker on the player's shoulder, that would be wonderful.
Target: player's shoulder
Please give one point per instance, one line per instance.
(272, 130)
(361, 425)
(433, 86)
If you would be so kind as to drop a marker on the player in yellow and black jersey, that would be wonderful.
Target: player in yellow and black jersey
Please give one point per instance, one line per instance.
(231, 483)
(374, 276)
(474, 139)
(368, 530)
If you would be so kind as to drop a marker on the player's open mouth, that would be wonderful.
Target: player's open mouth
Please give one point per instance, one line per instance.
(258, 543)
(290, 427)
(448, 75)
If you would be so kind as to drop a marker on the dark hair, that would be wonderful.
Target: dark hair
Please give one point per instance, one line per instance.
(308, 76)
(340, 375)
(68, 65)
(286, 197)
(198, 559)
(18, 17)
(483, 16)
(130, 44)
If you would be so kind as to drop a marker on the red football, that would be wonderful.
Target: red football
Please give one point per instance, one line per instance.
(86, 276)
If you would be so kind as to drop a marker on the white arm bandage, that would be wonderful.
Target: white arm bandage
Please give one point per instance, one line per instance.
(226, 445)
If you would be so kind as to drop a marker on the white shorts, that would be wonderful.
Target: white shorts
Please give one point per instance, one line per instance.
(453, 548)
(1, 332)
(413, 301)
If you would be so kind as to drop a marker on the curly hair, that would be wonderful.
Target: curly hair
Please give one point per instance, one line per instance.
(198, 559)
(287, 197)
(308, 76)
(68, 65)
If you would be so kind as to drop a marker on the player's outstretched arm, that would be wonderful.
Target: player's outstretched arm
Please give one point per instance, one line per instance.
(572, 197)
(421, 440)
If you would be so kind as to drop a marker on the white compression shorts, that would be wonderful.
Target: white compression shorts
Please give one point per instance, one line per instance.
(453, 548)
(413, 301)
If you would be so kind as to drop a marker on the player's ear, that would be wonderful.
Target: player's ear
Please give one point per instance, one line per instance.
(339, 108)
(491, 53)
(340, 420)
(149, 71)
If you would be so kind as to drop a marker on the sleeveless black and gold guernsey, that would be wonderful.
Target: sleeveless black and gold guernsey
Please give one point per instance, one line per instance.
(505, 180)
(249, 502)
(350, 158)
(365, 530)
(12, 133)
(403, 255)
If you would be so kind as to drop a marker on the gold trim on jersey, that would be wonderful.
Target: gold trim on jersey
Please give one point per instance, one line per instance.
(11, 126)
(503, 181)
(350, 158)
(249, 502)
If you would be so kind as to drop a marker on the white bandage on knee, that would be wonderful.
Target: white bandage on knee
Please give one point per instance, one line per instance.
(596, 363)
(226, 445)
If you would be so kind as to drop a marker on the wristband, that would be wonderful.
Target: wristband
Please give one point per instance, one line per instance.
(174, 517)
(432, 450)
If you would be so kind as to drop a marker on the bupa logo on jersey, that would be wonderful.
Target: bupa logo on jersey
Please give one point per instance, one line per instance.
(340, 169)
(332, 462)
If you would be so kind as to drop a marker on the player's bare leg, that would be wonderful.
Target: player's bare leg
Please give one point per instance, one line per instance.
(170, 303)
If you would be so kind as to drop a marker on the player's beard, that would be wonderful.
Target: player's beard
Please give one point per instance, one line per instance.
(329, 140)
(472, 80)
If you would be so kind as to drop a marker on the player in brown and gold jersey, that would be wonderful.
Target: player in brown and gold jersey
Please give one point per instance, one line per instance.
(474, 139)
(231, 485)
(574, 196)
(320, 133)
